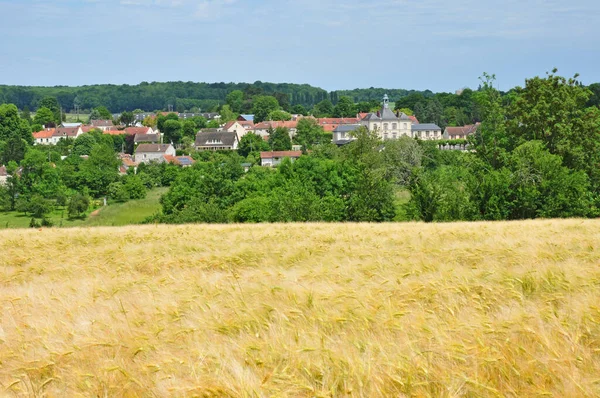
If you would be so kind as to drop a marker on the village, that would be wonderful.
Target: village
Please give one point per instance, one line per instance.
(150, 145)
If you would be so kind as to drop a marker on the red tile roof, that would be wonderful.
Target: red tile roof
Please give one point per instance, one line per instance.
(66, 132)
(280, 154)
(136, 130)
(292, 124)
(337, 120)
(462, 130)
(48, 133)
(414, 119)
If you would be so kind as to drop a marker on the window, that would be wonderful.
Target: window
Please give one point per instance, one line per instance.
(405, 125)
(385, 126)
(394, 126)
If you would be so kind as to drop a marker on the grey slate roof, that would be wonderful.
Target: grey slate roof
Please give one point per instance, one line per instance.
(220, 138)
(387, 114)
(152, 148)
(425, 126)
(345, 128)
(145, 138)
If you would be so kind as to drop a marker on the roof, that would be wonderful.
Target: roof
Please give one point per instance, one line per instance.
(71, 124)
(290, 124)
(343, 142)
(66, 132)
(101, 123)
(47, 133)
(3, 172)
(414, 119)
(425, 126)
(114, 132)
(88, 128)
(344, 128)
(387, 114)
(229, 124)
(180, 160)
(280, 154)
(136, 130)
(246, 124)
(248, 118)
(152, 148)
(217, 138)
(337, 120)
(462, 130)
(145, 138)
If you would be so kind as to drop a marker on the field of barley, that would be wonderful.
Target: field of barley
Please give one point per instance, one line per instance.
(315, 310)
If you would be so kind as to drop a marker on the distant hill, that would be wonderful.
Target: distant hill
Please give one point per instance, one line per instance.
(180, 95)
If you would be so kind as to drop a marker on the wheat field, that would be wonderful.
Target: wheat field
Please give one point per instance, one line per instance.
(302, 310)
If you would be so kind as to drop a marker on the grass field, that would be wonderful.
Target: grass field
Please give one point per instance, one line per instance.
(315, 310)
(132, 212)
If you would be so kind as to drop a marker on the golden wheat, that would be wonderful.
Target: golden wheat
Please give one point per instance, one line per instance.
(465, 309)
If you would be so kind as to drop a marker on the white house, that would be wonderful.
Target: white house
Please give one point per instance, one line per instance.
(427, 131)
(146, 153)
(216, 140)
(274, 158)
(236, 127)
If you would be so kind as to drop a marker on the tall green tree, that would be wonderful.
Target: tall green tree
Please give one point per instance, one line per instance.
(52, 104)
(263, 105)
(308, 133)
(323, 109)
(172, 131)
(252, 143)
(279, 139)
(554, 110)
(235, 100)
(344, 108)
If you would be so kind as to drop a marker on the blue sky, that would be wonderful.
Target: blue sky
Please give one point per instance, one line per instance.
(334, 44)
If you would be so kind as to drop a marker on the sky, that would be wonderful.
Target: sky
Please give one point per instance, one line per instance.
(334, 44)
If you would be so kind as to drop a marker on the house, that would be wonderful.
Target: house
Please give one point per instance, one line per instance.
(342, 133)
(387, 124)
(262, 129)
(44, 137)
(274, 158)
(236, 127)
(65, 132)
(216, 140)
(102, 124)
(426, 131)
(127, 162)
(461, 132)
(3, 175)
(183, 161)
(146, 153)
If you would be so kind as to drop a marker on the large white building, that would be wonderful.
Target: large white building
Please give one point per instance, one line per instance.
(390, 125)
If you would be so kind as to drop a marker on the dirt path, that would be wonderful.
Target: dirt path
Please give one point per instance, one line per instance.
(96, 212)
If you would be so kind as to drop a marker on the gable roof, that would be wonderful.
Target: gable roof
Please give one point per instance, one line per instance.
(64, 124)
(414, 119)
(137, 130)
(425, 126)
(462, 130)
(48, 133)
(248, 118)
(280, 154)
(152, 148)
(66, 132)
(180, 160)
(145, 138)
(216, 138)
(344, 128)
(290, 124)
